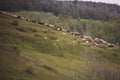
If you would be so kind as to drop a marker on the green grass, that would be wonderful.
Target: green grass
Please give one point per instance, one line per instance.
(25, 54)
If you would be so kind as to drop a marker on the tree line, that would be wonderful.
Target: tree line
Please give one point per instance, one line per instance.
(75, 8)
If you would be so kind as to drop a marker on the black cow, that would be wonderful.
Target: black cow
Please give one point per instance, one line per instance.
(41, 23)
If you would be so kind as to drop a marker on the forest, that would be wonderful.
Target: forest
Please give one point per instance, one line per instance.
(76, 9)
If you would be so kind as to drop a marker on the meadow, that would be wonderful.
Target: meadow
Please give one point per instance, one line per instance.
(27, 53)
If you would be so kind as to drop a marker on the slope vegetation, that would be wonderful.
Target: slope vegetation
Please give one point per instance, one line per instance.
(30, 51)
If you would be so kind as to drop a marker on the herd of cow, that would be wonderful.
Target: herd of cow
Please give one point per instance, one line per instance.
(88, 39)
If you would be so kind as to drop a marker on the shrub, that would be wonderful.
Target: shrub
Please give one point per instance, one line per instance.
(15, 23)
(17, 51)
(115, 55)
(31, 70)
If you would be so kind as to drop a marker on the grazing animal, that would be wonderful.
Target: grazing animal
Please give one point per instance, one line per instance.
(34, 21)
(15, 16)
(59, 28)
(2, 12)
(51, 26)
(22, 18)
(19, 17)
(45, 31)
(41, 23)
(46, 24)
(45, 37)
(110, 45)
(63, 33)
(63, 30)
(68, 31)
(76, 33)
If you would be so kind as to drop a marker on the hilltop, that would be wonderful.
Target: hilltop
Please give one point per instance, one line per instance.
(30, 51)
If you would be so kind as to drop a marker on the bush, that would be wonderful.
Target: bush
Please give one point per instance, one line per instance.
(15, 23)
(31, 70)
(115, 55)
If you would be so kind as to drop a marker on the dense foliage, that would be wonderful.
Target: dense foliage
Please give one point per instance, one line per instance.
(81, 9)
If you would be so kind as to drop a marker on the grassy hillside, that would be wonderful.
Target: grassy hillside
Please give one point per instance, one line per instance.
(107, 30)
(29, 53)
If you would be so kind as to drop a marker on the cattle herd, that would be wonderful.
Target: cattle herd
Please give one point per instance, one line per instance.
(88, 39)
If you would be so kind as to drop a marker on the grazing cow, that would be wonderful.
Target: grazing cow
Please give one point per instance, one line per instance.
(102, 41)
(82, 36)
(63, 30)
(96, 40)
(57, 40)
(95, 44)
(41, 23)
(15, 16)
(45, 31)
(68, 31)
(34, 21)
(110, 45)
(19, 17)
(59, 28)
(45, 37)
(27, 19)
(71, 33)
(76, 33)
(50, 25)
(73, 42)
(23, 18)
(7, 13)
(46, 24)
(2, 12)
(63, 33)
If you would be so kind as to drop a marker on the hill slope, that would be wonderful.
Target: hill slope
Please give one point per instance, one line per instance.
(107, 30)
(28, 52)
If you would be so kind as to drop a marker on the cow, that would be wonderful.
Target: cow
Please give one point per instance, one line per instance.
(103, 41)
(51, 26)
(34, 21)
(59, 28)
(27, 19)
(76, 33)
(15, 16)
(41, 23)
(19, 17)
(110, 45)
(68, 31)
(46, 24)
(63, 30)
(22, 18)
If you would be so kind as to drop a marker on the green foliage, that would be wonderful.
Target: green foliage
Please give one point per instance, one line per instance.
(84, 10)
